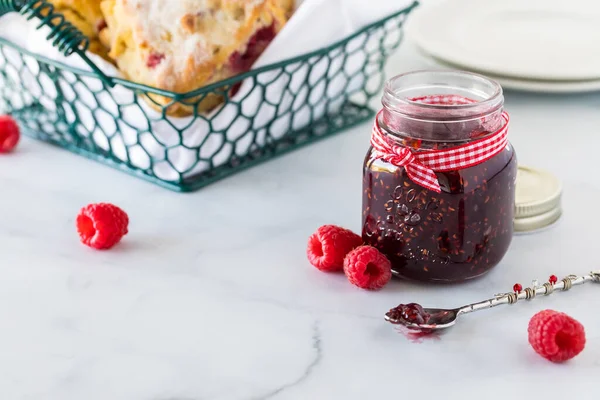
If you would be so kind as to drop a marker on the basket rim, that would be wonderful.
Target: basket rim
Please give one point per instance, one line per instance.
(217, 85)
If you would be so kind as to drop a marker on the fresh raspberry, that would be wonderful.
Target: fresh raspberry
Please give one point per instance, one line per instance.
(9, 134)
(328, 246)
(367, 268)
(556, 336)
(102, 225)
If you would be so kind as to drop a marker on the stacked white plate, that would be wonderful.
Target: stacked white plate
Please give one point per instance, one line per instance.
(532, 45)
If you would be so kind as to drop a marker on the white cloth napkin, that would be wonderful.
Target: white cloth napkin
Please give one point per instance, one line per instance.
(314, 25)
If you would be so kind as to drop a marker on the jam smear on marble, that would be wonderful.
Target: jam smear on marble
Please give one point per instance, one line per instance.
(416, 336)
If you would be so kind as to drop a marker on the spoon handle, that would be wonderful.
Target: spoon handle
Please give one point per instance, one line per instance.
(531, 292)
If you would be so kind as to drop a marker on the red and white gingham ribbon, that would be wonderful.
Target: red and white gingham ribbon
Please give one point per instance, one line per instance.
(421, 166)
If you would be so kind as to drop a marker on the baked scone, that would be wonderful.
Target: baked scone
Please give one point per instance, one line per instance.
(183, 45)
(288, 6)
(87, 17)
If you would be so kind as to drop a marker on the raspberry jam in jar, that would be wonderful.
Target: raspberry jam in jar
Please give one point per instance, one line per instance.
(461, 226)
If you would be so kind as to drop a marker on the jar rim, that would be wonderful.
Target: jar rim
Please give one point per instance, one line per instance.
(491, 101)
(442, 106)
(425, 141)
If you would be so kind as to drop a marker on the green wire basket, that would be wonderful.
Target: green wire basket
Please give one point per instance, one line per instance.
(277, 108)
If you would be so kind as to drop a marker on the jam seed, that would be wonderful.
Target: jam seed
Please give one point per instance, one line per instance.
(398, 191)
(389, 206)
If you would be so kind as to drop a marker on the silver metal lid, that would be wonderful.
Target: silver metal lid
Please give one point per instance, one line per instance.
(538, 199)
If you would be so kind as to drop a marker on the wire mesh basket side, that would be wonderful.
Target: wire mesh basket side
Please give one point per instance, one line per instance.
(263, 113)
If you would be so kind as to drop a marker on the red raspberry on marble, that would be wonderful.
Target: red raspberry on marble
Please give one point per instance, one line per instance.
(9, 134)
(102, 225)
(556, 336)
(328, 246)
(367, 268)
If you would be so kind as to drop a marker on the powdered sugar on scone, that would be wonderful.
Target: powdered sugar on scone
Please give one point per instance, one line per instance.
(164, 26)
(185, 44)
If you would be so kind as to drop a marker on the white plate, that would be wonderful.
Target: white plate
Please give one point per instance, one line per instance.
(535, 86)
(524, 39)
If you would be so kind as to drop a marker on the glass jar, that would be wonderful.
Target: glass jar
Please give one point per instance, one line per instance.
(466, 229)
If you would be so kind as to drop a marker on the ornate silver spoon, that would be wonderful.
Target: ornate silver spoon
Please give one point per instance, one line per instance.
(415, 317)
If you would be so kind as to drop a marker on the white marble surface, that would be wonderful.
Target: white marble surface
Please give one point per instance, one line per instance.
(211, 296)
